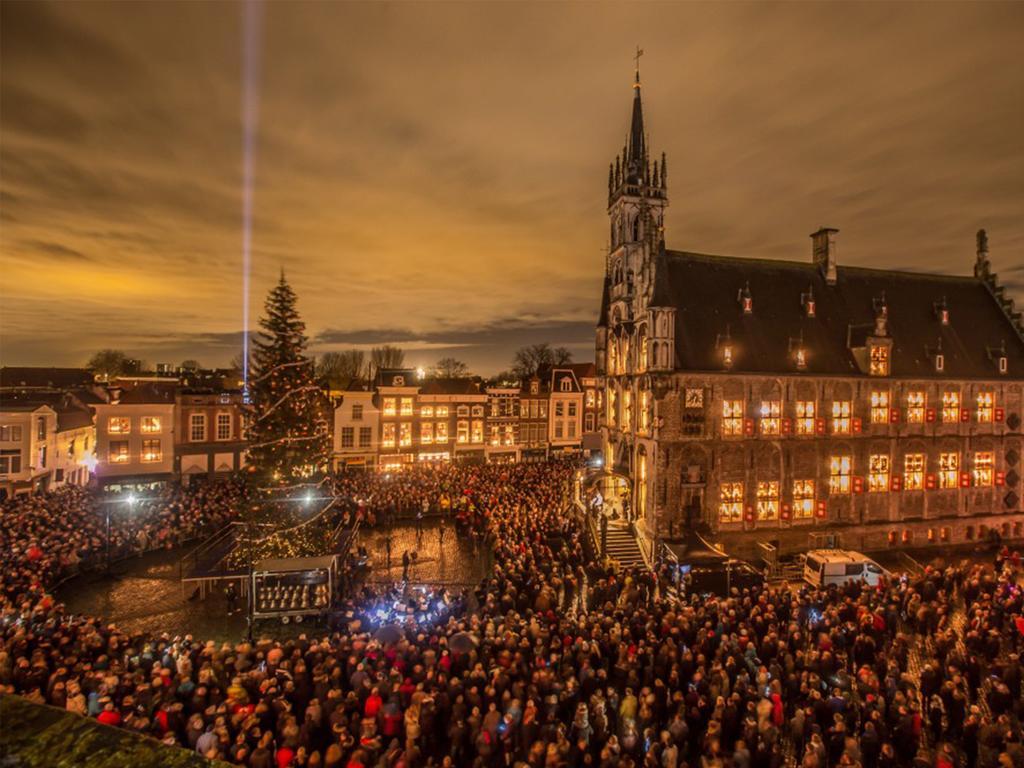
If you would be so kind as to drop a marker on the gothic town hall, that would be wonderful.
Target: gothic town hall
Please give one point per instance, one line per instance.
(802, 403)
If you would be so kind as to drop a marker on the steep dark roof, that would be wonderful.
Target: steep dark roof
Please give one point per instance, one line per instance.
(704, 289)
(463, 386)
(148, 393)
(637, 152)
(71, 413)
(54, 378)
(602, 319)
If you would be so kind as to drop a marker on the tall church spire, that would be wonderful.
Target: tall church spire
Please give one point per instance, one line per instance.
(637, 151)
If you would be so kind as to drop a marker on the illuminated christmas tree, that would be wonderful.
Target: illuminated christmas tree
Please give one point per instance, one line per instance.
(289, 441)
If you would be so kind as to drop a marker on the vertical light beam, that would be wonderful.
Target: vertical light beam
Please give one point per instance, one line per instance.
(252, 23)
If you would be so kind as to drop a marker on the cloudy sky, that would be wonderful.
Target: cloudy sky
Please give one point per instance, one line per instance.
(435, 175)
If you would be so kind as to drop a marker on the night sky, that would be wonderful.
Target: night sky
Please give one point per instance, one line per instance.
(435, 175)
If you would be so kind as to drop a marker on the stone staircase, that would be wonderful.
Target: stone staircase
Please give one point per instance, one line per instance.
(623, 547)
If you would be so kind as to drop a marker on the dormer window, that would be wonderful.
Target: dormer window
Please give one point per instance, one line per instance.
(724, 344)
(1003, 364)
(940, 362)
(801, 359)
(942, 311)
(565, 384)
(746, 300)
(807, 300)
(799, 352)
(879, 363)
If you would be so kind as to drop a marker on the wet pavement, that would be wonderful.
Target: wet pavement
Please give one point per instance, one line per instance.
(145, 594)
(451, 560)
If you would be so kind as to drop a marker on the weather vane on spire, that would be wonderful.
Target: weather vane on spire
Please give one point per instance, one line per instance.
(636, 58)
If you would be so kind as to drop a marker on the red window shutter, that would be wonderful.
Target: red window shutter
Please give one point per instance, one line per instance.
(894, 415)
(930, 415)
(1000, 414)
(896, 483)
(822, 509)
(1000, 478)
(929, 482)
(785, 511)
(858, 484)
(965, 479)
(749, 514)
(748, 426)
(819, 426)
(965, 414)
(787, 426)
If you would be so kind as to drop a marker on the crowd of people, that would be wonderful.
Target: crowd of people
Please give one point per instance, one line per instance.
(560, 660)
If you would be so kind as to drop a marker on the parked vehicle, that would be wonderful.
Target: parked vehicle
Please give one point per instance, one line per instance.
(823, 567)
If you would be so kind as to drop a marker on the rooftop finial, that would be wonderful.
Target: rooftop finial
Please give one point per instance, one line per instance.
(636, 58)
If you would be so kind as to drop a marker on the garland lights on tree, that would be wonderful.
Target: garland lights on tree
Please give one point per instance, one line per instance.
(289, 440)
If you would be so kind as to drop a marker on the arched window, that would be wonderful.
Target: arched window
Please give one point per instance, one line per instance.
(636, 228)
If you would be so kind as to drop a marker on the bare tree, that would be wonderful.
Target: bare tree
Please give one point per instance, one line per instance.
(451, 368)
(529, 360)
(386, 357)
(339, 368)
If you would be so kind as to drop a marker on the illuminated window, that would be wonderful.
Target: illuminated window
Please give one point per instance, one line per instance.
(348, 437)
(879, 360)
(984, 462)
(559, 409)
(913, 471)
(478, 410)
(768, 500)
(949, 470)
(565, 384)
(840, 417)
(224, 426)
(627, 410)
(542, 409)
(641, 363)
(839, 474)
(462, 432)
(880, 406)
(732, 413)
(612, 414)
(197, 427)
(405, 434)
(803, 499)
(878, 477)
(805, 417)
(509, 437)
(118, 452)
(591, 398)
(441, 411)
(406, 408)
(427, 411)
(150, 425)
(730, 508)
(478, 431)
(462, 410)
(915, 407)
(441, 432)
(985, 407)
(119, 425)
(388, 438)
(950, 407)
(645, 410)
(390, 408)
(771, 412)
(426, 433)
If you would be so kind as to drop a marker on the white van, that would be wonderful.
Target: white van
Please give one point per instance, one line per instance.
(838, 566)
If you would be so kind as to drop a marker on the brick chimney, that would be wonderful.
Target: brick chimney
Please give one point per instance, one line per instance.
(825, 252)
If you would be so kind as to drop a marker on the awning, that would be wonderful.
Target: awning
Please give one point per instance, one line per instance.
(694, 549)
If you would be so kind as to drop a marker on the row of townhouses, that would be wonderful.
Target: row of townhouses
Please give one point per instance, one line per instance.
(58, 427)
(399, 419)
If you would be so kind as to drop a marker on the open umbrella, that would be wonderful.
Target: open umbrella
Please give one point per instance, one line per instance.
(463, 642)
(388, 634)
